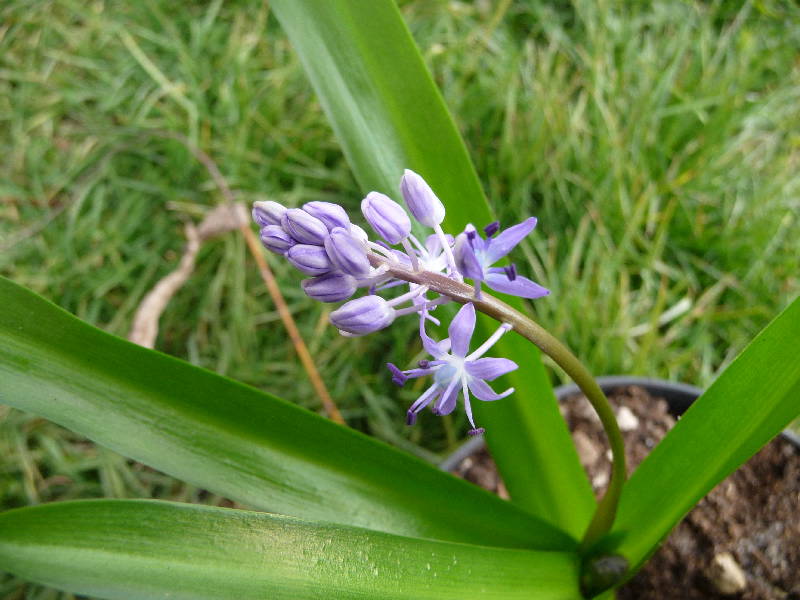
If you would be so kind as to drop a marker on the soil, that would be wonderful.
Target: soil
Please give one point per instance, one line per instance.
(741, 542)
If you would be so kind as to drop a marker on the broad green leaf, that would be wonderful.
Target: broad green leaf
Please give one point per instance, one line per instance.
(130, 549)
(388, 116)
(234, 440)
(749, 404)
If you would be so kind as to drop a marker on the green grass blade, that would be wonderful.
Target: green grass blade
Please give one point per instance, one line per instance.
(389, 115)
(234, 440)
(750, 402)
(149, 549)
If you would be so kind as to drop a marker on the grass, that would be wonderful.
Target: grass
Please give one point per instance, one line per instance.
(659, 145)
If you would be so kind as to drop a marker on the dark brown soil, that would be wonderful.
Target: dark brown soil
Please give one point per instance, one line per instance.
(746, 532)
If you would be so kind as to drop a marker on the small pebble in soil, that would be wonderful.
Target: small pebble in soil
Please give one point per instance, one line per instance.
(725, 574)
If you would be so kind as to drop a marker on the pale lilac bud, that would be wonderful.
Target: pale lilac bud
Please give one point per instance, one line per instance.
(303, 227)
(310, 259)
(347, 253)
(363, 315)
(420, 199)
(359, 233)
(332, 287)
(276, 239)
(386, 217)
(332, 215)
(267, 212)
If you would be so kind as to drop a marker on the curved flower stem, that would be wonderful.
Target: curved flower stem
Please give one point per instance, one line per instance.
(535, 333)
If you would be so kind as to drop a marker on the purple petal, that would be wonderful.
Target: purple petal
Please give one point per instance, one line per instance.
(386, 217)
(420, 199)
(332, 215)
(447, 401)
(431, 346)
(276, 239)
(267, 212)
(309, 259)
(332, 287)
(481, 390)
(434, 245)
(461, 328)
(347, 252)
(420, 403)
(490, 369)
(363, 315)
(303, 227)
(521, 286)
(503, 244)
(466, 260)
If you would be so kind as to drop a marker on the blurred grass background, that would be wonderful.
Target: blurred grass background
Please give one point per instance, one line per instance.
(658, 143)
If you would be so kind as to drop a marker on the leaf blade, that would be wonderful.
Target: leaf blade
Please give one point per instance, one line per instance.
(146, 549)
(388, 115)
(672, 479)
(232, 439)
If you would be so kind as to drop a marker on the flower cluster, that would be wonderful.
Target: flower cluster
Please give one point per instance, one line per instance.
(320, 241)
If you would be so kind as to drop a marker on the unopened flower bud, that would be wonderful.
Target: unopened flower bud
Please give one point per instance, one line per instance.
(303, 227)
(420, 199)
(332, 287)
(347, 253)
(276, 239)
(359, 233)
(386, 217)
(267, 212)
(363, 315)
(310, 259)
(332, 215)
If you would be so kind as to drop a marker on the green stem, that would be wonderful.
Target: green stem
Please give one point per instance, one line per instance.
(532, 331)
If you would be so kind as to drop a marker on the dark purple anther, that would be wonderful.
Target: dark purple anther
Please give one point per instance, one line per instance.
(491, 228)
(511, 271)
(424, 364)
(411, 418)
(398, 376)
(476, 431)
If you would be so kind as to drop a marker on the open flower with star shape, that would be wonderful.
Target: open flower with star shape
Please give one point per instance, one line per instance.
(456, 370)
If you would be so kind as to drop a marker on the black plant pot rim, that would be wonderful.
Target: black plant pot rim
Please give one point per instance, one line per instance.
(679, 397)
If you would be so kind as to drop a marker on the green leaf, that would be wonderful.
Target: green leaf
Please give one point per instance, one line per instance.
(234, 440)
(388, 116)
(148, 549)
(749, 404)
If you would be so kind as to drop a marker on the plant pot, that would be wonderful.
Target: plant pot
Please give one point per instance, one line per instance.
(765, 492)
(679, 396)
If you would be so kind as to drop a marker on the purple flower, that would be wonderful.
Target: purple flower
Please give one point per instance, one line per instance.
(331, 287)
(347, 253)
(275, 239)
(267, 212)
(310, 259)
(386, 217)
(332, 215)
(454, 370)
(303, 227)
(420, 199)
(363, 315)
(475, 255)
